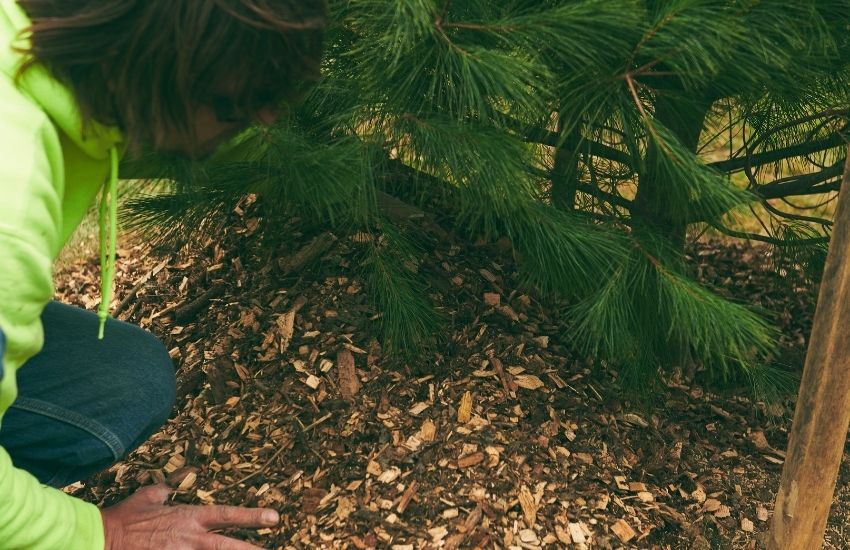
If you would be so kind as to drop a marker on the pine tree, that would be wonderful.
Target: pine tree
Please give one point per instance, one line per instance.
(576, 129)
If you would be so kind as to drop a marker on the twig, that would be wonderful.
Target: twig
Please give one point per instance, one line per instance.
(262, 469)
(122, 305)
(186, 312)
(316, 423)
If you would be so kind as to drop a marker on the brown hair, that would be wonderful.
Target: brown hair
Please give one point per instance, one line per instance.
(145, 65)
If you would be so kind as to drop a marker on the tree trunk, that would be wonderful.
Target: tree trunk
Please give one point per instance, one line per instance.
(822, 417)
(651, 208)
(565, 172)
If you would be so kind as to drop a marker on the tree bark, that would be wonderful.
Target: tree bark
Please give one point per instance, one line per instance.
(822, 416)
(652, 207)
(565, 172)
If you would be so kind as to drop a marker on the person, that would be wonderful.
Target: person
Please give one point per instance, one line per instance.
(82, 83)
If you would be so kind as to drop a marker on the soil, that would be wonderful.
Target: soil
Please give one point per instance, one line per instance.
(502, 437)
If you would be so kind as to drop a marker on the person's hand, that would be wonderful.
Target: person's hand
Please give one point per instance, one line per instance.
(143, 522)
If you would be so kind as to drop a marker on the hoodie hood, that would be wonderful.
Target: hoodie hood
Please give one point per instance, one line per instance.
(95, 140)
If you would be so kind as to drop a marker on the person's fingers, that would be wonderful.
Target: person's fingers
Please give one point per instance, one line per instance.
(221, 517)
(154, 494)
(220, 542)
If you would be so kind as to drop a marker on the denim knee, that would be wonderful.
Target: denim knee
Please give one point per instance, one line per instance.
(147, 382)
(160, 385)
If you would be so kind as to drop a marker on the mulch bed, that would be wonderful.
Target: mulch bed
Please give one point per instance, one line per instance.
(502, 438)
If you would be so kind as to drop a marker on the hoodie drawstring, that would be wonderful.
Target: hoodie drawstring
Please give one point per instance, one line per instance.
(108, 229)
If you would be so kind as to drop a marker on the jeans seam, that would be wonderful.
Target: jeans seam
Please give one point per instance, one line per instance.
(96, 429)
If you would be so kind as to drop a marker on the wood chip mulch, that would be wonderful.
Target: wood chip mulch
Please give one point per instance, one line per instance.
(502, 438)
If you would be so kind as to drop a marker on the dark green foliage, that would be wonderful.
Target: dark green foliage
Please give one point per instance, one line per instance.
(578, 130)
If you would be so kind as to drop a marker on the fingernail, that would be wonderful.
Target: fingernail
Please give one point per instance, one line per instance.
(271, 517)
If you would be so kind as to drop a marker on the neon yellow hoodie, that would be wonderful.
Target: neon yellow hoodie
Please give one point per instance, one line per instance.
(50, 173)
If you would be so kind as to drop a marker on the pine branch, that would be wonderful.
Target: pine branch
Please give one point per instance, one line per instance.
(766, 239)
(808, 184)
(737, 164)
(553, 139)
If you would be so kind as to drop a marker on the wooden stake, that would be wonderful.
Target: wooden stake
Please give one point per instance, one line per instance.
(822, 417)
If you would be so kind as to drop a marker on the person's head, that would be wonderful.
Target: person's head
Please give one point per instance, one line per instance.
(179, 75)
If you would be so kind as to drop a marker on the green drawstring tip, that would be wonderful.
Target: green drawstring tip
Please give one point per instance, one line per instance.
(108, 223)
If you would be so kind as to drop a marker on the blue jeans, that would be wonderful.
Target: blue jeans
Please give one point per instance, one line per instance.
(83, 403)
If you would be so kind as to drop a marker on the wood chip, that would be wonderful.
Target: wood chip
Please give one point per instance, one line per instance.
(344, 508)
(438, 533)
(759, 440)
(623, 531)
(492, 299)
(418, 408)
(577, 533)
(488, 275)
(285, 328)
(507, 380)
(313, 381)
(542, 341)
(311, 499)
(587, 458)
(563, 535)
(747, 525)
(389, 475)
(470, 460)
(528, 536)
(762, 514)
(698, 495)
(723, 512)
(349, 383)
(428, 431)
(528, 505)
(374, 468)
(529, 382)
(464, 411)
(407, 496)
(645, 496)
(711, 505)
(620, 481)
